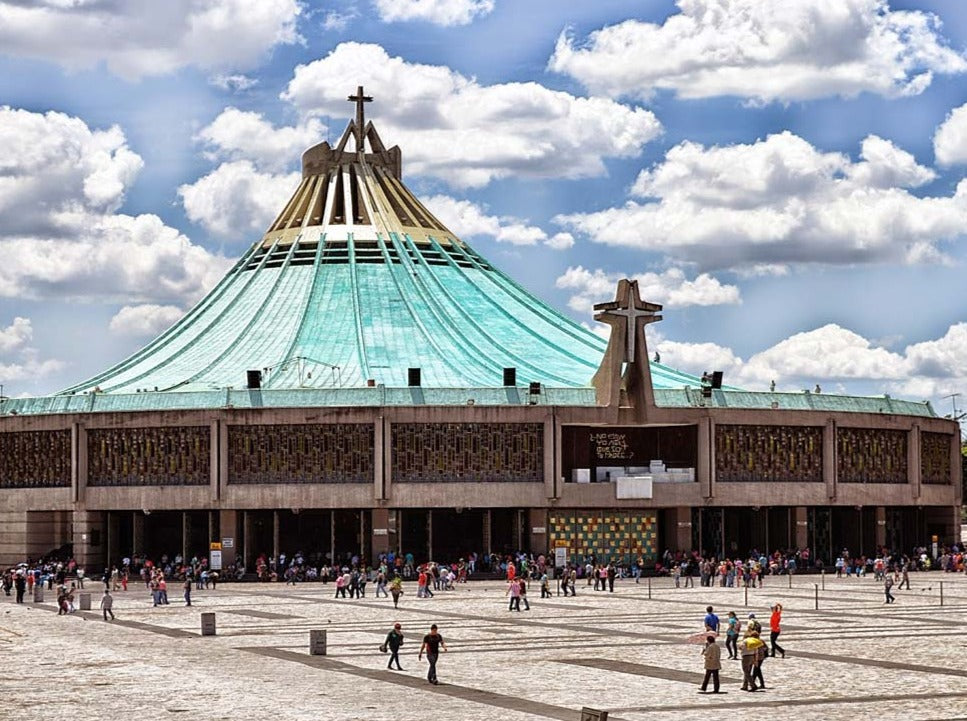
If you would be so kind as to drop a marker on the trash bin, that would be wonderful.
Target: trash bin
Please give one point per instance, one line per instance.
(38, 594)
(208, 624)
(317, 643)
(85, 601)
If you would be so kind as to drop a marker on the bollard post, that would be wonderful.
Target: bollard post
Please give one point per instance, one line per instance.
(649, 588)
(816, 587)
(317, 642)
(790, 579)
(746, 595)
(85, 601)
(208, 624)
(38, 593)
(822, 577)
(941, 593)
(558, 585)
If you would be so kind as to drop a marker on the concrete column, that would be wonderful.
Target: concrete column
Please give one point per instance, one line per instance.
(275, 535)
(247, 549)
(429, 534)
(880, 532)
(332, 537)
(380, 533)
(227, 523)
(79, 470)
(682, 532)
(379, 476)
(705, 460)
(215, 459)
(185, 530)
(913, 460)
(829, 458)
(137, 532)
(537, 530)
(800, 519)
(486, 532)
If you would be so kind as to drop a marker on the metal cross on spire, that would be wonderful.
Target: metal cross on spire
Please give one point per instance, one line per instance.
(360, 124)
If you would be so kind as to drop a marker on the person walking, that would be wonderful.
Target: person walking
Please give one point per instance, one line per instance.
(396, 590)
(431, 645)
(187, 587)
(523, 593)
(775, 629)
(20, 585)
(513, 590)
(611, 572)
(546, 586)
(394, 639)
(712, 654)
(904, 576)
(381, 584)
(887, 586)
(711, 620)
(732, 636)
(107, 604)
(750, 649)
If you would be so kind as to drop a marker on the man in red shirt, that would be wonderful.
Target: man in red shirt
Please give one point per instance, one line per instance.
(775, 630)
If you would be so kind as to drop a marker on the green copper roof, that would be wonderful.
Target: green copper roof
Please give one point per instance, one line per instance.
(336, 322)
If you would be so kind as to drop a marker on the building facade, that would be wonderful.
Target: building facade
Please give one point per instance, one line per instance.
(362, 381)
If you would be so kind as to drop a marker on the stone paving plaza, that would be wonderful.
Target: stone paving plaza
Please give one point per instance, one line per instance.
(854, 658)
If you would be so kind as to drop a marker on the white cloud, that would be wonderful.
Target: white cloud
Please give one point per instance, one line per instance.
(838, 360)
(237, 83)
(438, 12)
(469, 134)
(61, 184)
(764, 51)
(467, 220)
(241, 135)
(335, 21)
(16, 335)
(235, 199)
(950, 139)
(560, 241)
(669, 287)
(19, 361)
(779, 202)
(148, 38)
(145, 320)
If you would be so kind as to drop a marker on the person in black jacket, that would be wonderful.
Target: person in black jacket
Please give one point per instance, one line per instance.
(394, 639)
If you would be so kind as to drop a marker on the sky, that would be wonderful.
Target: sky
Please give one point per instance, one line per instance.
(787, 177)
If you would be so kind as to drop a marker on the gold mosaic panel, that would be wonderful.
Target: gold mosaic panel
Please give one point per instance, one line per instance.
(770, 454)
(619, 536)
(468, 452)
(173, 456)
(871, 455)
(35, 459)
(935, 458)
(322, 453)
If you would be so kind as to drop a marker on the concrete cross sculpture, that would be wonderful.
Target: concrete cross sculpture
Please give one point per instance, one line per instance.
(627, 315)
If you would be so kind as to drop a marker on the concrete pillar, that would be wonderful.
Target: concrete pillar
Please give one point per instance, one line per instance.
(332, 537)
(537, 530)
(913, 461)
(185, 530)
(429, 534)
(800, 516)
(137, 531)
(829, 458)
(227, 523)
(113, 533)
(486, 533)
(880, 532)
(380, 534)
(275, 535)
(379, 472)
(705, 460)
(681, 517)
(247, 550)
